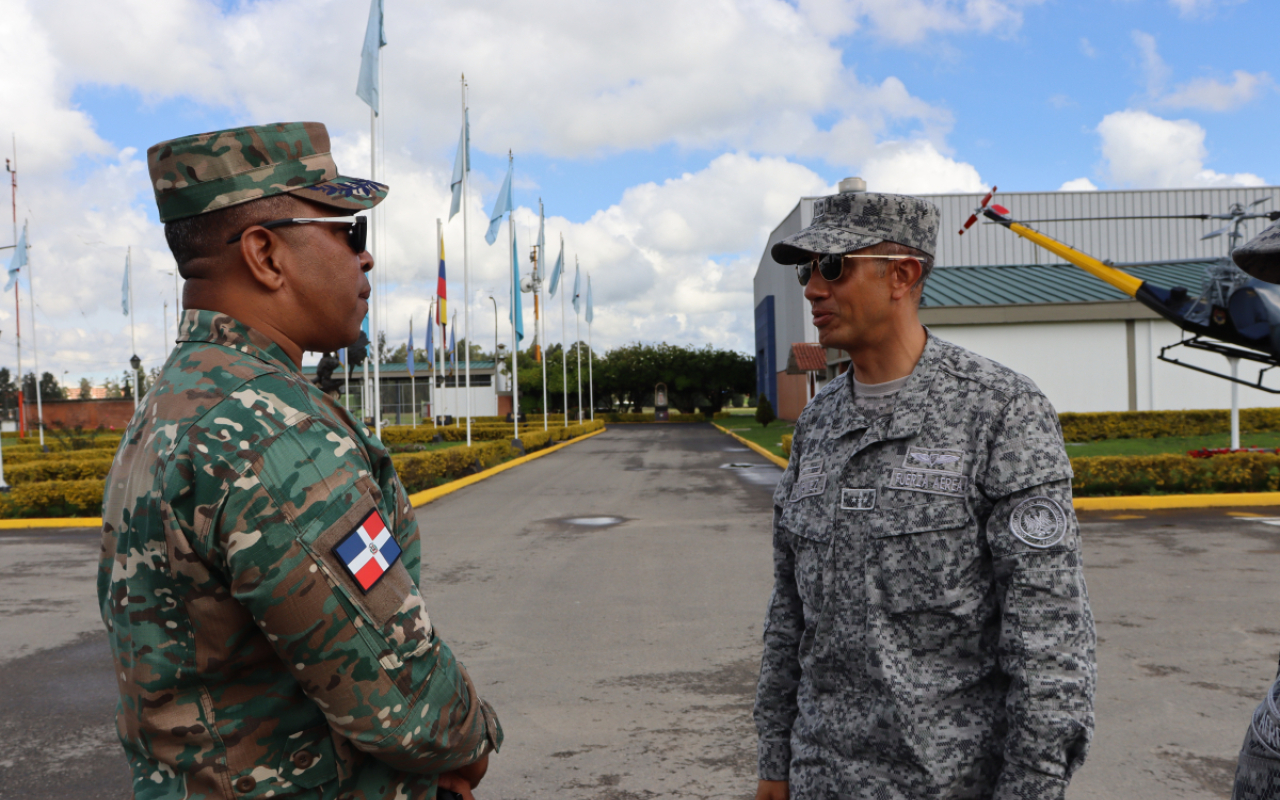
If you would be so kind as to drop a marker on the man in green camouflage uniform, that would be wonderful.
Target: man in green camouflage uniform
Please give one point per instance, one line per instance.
(929, 633)
(260, 559)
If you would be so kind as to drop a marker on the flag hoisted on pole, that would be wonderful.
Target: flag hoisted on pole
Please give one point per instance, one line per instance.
(591, 355)
(442, 282)
(461, 161)
(540, 326)
(501, 205)
(431, 357)
(577, 318)
(19, 260)
(465, 151)
(564, 336)
(413, 394)
(369, 89)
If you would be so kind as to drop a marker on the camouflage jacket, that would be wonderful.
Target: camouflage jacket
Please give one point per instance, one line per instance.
(929, 633)
(250, 662)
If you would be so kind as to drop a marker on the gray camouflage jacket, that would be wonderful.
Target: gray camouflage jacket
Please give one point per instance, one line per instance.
(929, 633)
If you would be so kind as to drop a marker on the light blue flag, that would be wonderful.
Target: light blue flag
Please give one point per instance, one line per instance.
(411, 335)
(577, 287)
(517, 305)
(461, 163)
(431, 342)
(501, 205)
(559, 268)
(375, 38)
(453, 343)
(124, 287)
(590, 315)
(19, 260)
(542, 238)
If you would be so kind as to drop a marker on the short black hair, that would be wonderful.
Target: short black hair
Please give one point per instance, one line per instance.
(206, 235)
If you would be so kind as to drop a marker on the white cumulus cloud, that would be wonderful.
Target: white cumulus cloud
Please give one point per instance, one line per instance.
(1078, 185)
(1144, 151)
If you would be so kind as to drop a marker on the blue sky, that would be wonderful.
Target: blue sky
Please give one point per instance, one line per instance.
(666, 141)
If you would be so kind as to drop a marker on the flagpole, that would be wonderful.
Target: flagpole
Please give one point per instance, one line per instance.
(413, 387)
(591, 358)
(132, 334)
(577, 346)
(376, 394)
(17, 319)
(466, 269)
(35, 351)
(515, 340)
(564, 336)
(431, 356)
(539, 257)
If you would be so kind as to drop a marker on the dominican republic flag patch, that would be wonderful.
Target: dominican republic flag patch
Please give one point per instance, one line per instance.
(368, 551)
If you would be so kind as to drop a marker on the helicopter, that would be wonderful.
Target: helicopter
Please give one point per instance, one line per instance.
(1234, 315)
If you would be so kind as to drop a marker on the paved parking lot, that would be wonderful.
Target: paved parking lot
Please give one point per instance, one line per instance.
(608, 601)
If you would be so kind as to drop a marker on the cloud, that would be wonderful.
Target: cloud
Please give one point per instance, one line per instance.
(1088, 49)
(1203, 94)
(754, 84)
(1207, 94)
(909, 21)
(1144, 151)
(1078, 185)
(1200, 8)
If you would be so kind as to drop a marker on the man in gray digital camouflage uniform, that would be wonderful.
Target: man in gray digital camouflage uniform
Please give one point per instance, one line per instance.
(929, 633)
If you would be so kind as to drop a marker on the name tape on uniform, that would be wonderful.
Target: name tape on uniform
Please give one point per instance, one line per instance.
(929, 481)
(808, 487)
(857, 499)
(368, 551)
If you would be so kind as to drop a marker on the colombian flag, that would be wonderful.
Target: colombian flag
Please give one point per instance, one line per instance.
(441, 289)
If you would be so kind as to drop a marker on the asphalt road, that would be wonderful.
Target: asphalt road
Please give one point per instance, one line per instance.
(608, 598)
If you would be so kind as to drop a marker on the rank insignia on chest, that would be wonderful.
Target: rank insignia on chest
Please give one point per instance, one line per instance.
(857, 499)
(368, 551)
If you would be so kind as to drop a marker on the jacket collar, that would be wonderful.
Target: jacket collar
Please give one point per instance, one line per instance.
(221, 329)
(908, 411)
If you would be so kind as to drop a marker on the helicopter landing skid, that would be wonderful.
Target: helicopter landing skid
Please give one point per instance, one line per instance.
(1228, 351)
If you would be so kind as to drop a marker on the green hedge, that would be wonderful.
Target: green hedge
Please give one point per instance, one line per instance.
(58, 469)
(1152, 424)
(1100, 476)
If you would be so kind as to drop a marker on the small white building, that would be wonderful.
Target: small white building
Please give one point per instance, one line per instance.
(1088, 346)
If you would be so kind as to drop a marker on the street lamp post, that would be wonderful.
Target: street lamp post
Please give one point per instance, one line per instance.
(495, 347)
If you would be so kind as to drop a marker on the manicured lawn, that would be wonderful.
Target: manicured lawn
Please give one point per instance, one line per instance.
(1168, 444)
(746, 426)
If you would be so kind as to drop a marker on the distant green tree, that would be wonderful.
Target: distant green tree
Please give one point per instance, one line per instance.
(50, 388)
(86, 389)
(764, 412)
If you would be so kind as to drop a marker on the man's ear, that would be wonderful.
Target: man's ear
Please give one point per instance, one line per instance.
(263, 252)
(905, 274)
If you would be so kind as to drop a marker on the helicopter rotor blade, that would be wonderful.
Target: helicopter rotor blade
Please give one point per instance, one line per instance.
(1259, 201)
(1144, 216)
(1218, 232)
(981, 207)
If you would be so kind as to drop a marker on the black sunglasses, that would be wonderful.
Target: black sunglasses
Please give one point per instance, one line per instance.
(357, 229)
(831, 267)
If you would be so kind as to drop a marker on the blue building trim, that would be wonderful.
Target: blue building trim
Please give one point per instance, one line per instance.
(766, 352)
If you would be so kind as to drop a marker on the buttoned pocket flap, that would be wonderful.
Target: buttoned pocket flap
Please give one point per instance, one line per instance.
(934, 515)
(309, 759)
(808, 521)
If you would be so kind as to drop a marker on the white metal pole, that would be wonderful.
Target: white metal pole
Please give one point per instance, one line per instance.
(133, 338)
(577, 345)
(413, 386)
(564, 340)
(466, 267)
(591, 359)
(1235, 404)
(376, 393)
(35, 350)
(538, 323)
(431, 356)
(515, 340)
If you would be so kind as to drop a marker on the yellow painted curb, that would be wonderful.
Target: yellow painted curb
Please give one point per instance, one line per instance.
(422, 498)
(1154, 502)
(779, 460)
(51, 522)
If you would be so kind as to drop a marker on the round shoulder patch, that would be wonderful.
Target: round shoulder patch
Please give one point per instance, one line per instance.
(1039, 521)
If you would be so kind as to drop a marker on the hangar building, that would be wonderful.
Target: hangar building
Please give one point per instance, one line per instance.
(1088, 346)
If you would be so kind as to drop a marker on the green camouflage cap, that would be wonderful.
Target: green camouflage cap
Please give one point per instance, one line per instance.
(197, 174)
(843, 223)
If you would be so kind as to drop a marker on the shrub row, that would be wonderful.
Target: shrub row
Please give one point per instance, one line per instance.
(58, 469)
(1093, 427)
(53, 499)
(1097, 476)
(424, 434)
(675, 416)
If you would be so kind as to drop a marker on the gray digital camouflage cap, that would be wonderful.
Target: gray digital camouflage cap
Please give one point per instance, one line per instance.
(843, 223)
(1260, 256)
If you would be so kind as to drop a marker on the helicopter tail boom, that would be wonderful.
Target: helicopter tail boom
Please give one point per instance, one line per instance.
(1117, 278)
